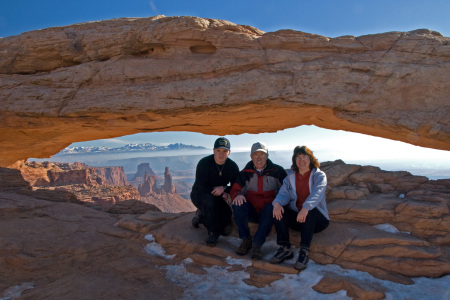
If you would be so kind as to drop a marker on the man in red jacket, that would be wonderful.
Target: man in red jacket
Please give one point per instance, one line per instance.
(253, 192)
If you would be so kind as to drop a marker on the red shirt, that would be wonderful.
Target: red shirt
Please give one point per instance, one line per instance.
(302, 188)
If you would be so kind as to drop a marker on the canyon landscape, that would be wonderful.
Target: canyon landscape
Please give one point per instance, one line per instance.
(105, 186)
(69, 230)
(363, 201)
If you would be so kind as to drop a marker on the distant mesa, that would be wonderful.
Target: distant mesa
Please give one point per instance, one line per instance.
(164, 197)
(143, 170)
(128, 148)
(98, 187)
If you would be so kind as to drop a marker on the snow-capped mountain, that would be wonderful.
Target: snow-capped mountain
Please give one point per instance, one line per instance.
(128, 148)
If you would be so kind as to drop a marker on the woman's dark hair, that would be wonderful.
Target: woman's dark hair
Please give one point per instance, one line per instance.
(314, 163)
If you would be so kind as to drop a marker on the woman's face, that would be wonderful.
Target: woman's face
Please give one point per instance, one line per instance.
(302, 161)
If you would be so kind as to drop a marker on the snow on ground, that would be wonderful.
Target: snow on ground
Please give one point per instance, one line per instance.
(155, 249)
(218, 283)
(16, 291)
(389, 228)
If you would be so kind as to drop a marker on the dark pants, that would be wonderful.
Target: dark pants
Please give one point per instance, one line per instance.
(216, 213)
(315, 222)
(245, 213)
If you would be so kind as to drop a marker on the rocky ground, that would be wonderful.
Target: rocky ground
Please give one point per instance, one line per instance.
(53, 248)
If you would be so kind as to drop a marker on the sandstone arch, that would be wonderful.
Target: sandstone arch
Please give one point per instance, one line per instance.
(104, 79)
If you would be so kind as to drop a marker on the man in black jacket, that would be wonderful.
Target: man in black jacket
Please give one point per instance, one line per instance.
(213, 179)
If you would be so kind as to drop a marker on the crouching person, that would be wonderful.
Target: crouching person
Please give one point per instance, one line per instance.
(253, 192)
(300, 204)
(213, 179)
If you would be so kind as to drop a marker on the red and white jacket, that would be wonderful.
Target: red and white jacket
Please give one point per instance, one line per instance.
(258, 189)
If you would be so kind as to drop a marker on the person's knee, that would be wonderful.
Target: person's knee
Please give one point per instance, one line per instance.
(278, 223)
(200, 198)
(268, 209)
(238, 209)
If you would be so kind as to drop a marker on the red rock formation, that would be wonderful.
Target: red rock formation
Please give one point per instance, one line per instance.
(142, 171)
(84, 176)
(113, 175)
(102, 195)
(165, 198)
(12, 178)
(58, 174)
(148, 187)
(79, 181)
(392, 85)
(171, 203)
(168, 186)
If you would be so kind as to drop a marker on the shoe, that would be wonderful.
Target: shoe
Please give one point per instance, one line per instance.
(245, 246)
(211, 241)
(196, 219)
(282, 254)
(302, 259)
(256, 253)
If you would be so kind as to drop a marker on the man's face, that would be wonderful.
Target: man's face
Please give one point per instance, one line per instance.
(259, 159)
(221, 155)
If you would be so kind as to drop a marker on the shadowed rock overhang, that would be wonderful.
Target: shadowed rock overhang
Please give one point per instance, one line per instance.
(111, 78)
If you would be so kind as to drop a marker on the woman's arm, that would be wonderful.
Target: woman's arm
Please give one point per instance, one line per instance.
(284, 194)
(317, 194)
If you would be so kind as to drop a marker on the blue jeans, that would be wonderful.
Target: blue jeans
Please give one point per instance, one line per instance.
(315, 222)
(245, 213)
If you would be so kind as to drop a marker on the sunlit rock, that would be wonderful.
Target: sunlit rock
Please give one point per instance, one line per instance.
(112, 78)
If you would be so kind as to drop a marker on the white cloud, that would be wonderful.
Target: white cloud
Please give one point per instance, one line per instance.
(153, 7)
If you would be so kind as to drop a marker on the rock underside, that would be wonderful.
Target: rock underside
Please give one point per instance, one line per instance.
(105, 79)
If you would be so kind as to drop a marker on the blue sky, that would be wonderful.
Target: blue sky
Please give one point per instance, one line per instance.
(330, 18)
(325, 17)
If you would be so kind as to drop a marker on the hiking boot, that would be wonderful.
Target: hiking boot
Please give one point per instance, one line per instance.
(256, 253)
(282, 254)
(302, 259)
(211, 241)
(196, 219)
(246, 245)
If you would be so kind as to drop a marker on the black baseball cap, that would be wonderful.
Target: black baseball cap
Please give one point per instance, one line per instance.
(222, 143)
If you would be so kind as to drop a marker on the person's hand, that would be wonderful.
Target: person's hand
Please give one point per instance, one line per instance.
(301, 217)
(239, 200)
(278, 211)
(218, 190)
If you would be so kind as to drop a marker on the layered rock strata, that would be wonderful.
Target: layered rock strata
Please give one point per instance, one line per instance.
(165, 197)
(118, 77)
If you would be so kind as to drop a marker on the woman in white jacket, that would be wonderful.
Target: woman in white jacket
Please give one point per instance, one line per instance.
(301, 205)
